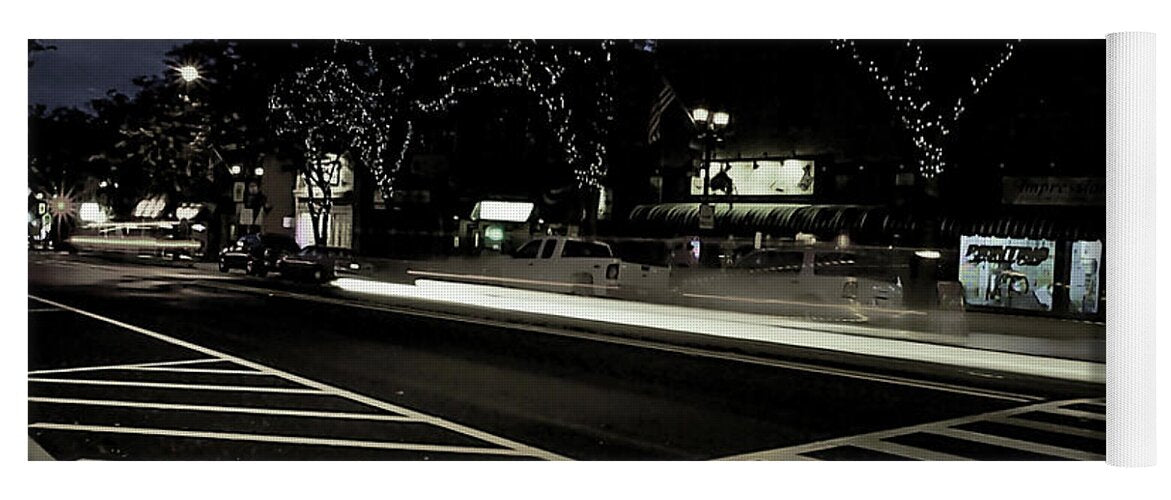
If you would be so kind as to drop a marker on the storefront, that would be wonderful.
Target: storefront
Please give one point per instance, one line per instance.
(1052, 277)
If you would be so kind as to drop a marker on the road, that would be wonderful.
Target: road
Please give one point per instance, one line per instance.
(141, 362)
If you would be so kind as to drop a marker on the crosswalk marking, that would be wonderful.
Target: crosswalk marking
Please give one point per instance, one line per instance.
(268, 438)
(224, 409)
(1017, 444)
(392, 413)
(905, 451)
(1077, 413)
(1046, 426)
(125, 366)
(168, 385)
(879, 441)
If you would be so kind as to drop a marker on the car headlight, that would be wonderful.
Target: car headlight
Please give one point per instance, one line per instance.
(355, 266)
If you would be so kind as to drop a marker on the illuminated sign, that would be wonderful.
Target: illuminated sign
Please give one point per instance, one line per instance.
(758, 178)
(91, 212)
(503, 211)
(150, 207)
(1010, 273)
(494, 233)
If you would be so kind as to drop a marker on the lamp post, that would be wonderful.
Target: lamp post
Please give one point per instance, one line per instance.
(711, 126)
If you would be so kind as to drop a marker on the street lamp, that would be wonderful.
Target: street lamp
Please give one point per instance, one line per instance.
(188, 73)
(259, 171)
(711, 126)
(235, 169)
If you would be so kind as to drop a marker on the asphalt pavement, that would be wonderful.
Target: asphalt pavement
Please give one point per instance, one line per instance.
(136, 361)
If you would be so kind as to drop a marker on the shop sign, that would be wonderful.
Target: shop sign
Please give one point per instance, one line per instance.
(1011, 273)
(1054, 191)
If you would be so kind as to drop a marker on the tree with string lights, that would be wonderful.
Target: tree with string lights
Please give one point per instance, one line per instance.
(337, 109)
(570, 82)
(928, 120)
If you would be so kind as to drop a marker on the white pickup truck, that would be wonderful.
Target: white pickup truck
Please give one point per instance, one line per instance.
(562, 264)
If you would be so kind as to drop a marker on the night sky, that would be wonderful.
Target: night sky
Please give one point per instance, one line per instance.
(83, 70)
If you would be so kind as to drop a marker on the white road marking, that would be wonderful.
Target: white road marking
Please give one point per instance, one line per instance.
(1076, 413)
(168, 385)
(197, 370)
(126, 366)
(645, 344)
(516, 447)
(224, 409)
(1017, 444)
(904, 451)
(875, 440)
(266, 438)
(1046, 426)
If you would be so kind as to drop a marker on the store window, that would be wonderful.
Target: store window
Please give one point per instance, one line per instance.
(1007, 273)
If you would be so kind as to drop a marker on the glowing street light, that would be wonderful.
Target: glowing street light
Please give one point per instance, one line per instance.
(188, 73)
(699, 115)
(720, 119)
(235, 169)
(259, 171)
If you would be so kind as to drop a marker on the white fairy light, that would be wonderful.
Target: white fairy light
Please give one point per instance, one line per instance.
(912, 107)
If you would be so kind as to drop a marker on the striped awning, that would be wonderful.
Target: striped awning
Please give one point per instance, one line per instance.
(862, 222)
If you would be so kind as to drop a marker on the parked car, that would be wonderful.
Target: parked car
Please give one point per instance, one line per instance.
(317, 263)
(257, 254)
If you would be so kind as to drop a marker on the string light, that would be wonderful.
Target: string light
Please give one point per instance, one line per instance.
(929, 125)
(324, 107)
(543, 71)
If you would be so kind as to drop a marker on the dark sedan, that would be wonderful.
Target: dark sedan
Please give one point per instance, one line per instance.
(257, 254)
(317, 263)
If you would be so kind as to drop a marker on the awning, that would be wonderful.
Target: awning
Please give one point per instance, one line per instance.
(872, 224)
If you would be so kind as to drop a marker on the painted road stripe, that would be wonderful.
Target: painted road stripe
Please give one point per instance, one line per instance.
(874, 440)
(196, 370)
(126, 367)
(659, 346)
(1076, 413)
(994, 440)
(223, 409)
(353, 396)
(1046, 426)
(267, 438)
(167, 385)
(905, 451)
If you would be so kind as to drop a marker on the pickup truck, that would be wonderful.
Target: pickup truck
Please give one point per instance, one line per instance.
(563, 264)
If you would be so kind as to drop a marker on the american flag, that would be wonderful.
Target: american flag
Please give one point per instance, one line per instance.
(662, 103)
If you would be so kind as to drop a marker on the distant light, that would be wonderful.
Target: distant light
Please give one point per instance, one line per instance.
(235, 169)
(199, 228)
(91, 212)
(720, 118)
(259, 171)
(355, 266)
(40, 196)
(189, 73)
(494, 233)
(103, 184)
(503, 211)
(699, 115)
(928, 254)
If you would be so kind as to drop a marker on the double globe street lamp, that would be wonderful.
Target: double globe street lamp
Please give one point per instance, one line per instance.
(711, 127)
